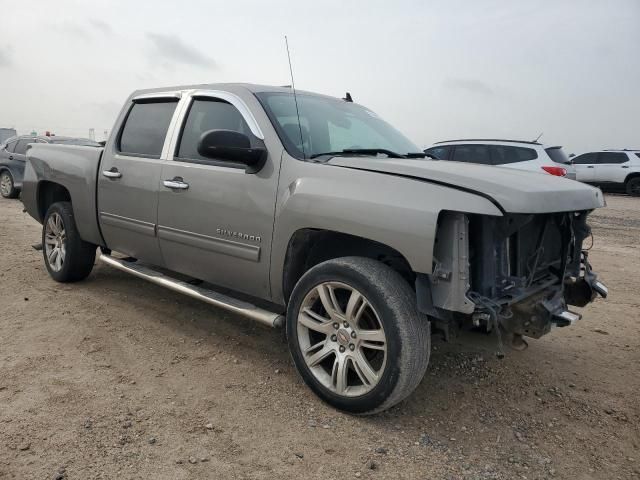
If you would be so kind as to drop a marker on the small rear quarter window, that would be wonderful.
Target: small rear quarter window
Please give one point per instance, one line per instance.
(504, 154)
(557, 155)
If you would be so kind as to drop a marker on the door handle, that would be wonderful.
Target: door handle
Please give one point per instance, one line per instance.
(10, 157)
(625, 166)
(589, 166)
(112, 173)
(176, 184)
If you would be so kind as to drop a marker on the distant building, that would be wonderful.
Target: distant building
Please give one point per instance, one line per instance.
(6, 133)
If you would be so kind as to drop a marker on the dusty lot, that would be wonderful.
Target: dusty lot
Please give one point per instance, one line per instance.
(116, 378)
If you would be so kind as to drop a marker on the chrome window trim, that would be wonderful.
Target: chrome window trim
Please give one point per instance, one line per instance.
(237, 102)
(169, 152)
(170, 140)
(157, 95)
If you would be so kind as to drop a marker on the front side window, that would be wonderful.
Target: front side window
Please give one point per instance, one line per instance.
(330, 125)
(472, 154)
(612, 157)
(208, 114)
(145, 128)
(441, 153)
(585, 159)
(504, 154)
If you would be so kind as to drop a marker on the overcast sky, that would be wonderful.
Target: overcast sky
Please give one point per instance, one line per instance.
(435, 69)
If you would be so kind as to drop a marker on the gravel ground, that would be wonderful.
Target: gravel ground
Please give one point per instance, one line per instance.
(117, 378)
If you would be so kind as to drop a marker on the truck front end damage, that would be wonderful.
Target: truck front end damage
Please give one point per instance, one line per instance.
(514, 275)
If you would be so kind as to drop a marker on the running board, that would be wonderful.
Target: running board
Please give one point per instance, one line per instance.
(209, 296)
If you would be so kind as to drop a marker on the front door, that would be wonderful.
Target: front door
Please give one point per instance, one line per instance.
(129, 179)
(214, 220)
(585, 166)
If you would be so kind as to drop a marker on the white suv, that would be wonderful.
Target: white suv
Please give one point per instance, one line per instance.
(532, 156)
(610, 168)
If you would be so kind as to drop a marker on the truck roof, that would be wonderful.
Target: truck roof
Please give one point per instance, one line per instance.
(252, 87)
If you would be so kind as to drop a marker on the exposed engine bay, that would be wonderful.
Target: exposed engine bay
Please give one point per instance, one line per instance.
(513, 275)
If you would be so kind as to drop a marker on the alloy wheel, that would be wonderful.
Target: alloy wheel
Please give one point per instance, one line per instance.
(342, 339)
(6, 185)
(55, 239)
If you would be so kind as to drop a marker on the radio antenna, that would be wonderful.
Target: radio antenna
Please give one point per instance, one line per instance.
(295, 97)
(541, 133)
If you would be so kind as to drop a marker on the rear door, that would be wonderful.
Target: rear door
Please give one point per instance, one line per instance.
(585, 166)
(20, 150)
(18, 159)
(612, 167)
(215, 221)
(7, 152)
(129, 178)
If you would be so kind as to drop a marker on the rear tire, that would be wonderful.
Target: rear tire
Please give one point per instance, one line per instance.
(7, 187)
(633, 187)
(67, 257)
(381, 343)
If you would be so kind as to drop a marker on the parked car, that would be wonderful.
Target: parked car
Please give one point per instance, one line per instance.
(522, 155)
(6, 134)
(13, 157)
(314, 214)
(612, 169)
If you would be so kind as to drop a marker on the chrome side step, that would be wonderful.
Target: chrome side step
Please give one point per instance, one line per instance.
(209, 296)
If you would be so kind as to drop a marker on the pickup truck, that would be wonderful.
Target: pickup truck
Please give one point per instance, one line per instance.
(311, 213)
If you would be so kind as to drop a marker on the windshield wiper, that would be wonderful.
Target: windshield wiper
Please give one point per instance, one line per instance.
(361, 151)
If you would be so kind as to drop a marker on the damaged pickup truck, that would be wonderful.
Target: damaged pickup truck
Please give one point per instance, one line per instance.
(312, 213)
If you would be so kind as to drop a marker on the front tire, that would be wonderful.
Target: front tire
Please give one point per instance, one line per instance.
(67, 257)
(356, 336)
(633, 187)
(7, 187)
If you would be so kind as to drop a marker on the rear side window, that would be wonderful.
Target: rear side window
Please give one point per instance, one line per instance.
(145, 128)
(638, 155)
(503, 154)
(586, 159)
(557, 154)
(613, 157)
(472, 154)
(441, 153)
(22, 145)
(204, 115)
(11, 146)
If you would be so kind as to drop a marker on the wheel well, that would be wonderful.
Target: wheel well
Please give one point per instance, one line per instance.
(631, 175)
(309, 247)
(48, 194)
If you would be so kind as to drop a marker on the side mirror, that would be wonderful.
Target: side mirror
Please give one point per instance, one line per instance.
(231, 146)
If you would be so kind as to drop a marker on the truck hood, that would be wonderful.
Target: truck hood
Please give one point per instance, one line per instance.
(514, 191)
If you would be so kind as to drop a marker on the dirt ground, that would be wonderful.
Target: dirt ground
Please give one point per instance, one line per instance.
(117, 378)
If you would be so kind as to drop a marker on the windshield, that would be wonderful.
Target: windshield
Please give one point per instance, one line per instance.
(557, 155)
(330, 126)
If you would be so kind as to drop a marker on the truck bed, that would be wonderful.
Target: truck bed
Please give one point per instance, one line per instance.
(76, 169)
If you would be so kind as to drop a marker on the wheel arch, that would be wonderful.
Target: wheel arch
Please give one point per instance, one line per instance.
(49, 193)
(7, 168)
(631, 176)
(308, 247)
